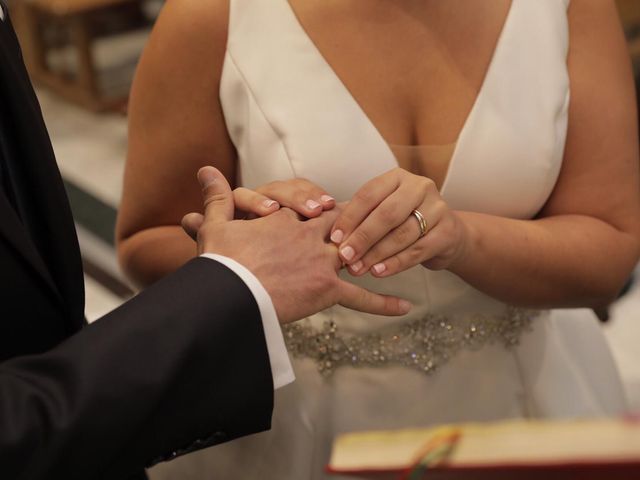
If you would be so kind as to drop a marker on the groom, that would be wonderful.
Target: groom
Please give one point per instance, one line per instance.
(189, 363)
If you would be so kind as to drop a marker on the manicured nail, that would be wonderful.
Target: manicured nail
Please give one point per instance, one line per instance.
(312, 204)
(356, 267)
(379, 268)
(327, 198)
(269, 203)
(405, 307)
(348, 253)
(337, 236)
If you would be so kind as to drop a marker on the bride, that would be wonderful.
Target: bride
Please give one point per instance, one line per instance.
(488, 156)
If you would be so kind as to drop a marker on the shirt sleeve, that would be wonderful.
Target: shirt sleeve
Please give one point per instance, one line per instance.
(278, 357)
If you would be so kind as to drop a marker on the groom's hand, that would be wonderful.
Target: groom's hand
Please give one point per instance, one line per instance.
(294, 260)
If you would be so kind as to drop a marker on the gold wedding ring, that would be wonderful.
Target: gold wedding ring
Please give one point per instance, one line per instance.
(422, 222)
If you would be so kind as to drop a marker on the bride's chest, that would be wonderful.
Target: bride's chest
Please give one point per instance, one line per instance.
(289, 113)
(415, 69)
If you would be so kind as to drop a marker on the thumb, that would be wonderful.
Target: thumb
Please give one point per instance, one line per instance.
(217, 196)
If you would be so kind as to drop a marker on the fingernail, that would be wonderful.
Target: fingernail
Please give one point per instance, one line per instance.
(356, 267)
(348, 253)
(312, 204)
(269, 203)
(405, 307)
(379, 268)
(327, 198)
(337, 236)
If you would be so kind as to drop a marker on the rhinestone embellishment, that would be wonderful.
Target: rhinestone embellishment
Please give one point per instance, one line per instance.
(424, 344)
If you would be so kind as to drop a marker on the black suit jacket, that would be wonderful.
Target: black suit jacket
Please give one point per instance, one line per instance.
(182, 366)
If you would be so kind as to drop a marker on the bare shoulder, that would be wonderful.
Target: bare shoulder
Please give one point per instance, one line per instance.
(188, 31)
(182, 61)
(201, 24)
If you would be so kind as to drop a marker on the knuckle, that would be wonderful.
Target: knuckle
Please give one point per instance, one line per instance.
(287, 214)
(393, 264)
(265, 188)
(300, 197)
(426, 185)
(363, 195)
(388, 214)
(268, 189)
(317, 192)
(346, 221)
(361, 237)
(440, 207)
(215, 198)
(308, 185)
(402, 234)
(414, 255)
(363, 296)
(239, 195)
(430, 183)
(390, 305)
(309, 228)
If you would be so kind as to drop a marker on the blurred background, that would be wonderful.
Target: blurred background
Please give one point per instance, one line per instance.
(82, 55)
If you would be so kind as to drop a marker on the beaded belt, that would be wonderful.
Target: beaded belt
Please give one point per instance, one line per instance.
(424, 344)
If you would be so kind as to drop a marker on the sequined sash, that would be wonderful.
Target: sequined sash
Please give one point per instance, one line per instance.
(424, 344)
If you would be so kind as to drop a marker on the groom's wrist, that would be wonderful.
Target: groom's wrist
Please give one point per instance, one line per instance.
(281, 368)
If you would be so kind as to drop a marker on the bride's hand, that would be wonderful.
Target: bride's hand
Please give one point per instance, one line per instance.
(378, 231)
(298, 194)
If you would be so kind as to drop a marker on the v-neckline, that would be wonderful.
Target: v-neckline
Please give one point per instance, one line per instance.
(472, 112)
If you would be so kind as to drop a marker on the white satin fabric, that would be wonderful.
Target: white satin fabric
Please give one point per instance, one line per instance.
(289, 115)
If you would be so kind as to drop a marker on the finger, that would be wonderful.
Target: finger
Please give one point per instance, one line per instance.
(399, 239)
(391, 213)
(362, 204)
(300, 195)
(394, 242)
(327, 201)
(357, 298)
(251, 202)
(285, 211)
(191, 223)
(421, 252)
(324, 223)
(217, 195)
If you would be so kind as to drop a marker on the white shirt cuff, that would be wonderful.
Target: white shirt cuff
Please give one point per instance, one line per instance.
(281, 368)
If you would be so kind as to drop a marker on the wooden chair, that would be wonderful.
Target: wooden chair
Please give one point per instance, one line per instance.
(76, 17)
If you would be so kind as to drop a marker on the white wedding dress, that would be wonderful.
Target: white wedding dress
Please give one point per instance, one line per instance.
(459, 355)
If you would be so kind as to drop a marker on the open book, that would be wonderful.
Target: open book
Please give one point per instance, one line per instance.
(610, 446)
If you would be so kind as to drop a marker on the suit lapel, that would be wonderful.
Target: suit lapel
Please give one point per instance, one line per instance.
(44, 232)
(14, 233)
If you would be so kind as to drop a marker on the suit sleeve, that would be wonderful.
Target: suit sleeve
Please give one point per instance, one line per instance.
(182, 366)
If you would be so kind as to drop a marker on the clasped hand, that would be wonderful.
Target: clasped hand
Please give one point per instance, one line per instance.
(294, 260)
(377, 231)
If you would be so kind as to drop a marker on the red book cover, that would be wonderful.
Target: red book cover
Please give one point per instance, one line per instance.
(567, 450)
